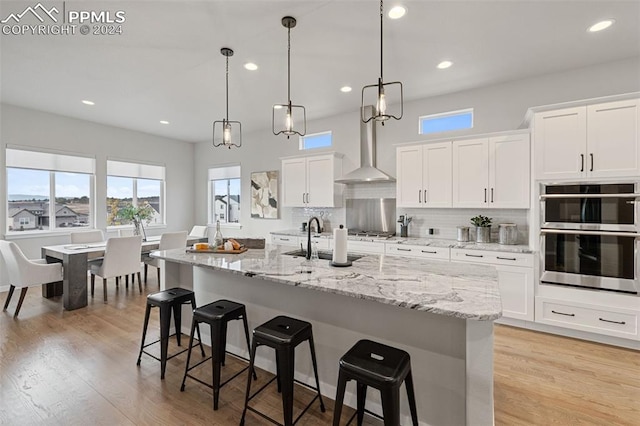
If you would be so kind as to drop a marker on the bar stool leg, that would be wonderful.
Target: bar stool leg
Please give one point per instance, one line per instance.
(362, 398)
(391, 406)
(246, 334)
(217, 354)
(193, 306)
(144, 331)
(165, 324)
(286, 360)
(278, 379)
(408, 382)
(337, 408)
(315, 371)
(194, 323)
(177, 320)
(252, 357)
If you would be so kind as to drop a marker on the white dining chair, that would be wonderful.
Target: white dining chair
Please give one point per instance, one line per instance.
(199, 231)
(94, 236)
(121, 258)
(24, 273)
(168, 241)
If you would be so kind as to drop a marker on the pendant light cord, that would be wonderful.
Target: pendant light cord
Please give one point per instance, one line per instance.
(381, 50)
(289, 66)
(227, 88)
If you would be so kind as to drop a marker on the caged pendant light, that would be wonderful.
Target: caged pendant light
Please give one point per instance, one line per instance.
(381, 113)
(230, 132)
(293, 114)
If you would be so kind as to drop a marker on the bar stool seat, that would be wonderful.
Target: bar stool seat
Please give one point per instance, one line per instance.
(217, 315)
(382, 367)
(167, 301)
(283, 334)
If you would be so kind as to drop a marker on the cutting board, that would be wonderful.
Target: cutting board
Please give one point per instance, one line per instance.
(240, 250)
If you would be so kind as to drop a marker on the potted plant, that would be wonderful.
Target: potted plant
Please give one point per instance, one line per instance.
(483, 228)
(137, 215)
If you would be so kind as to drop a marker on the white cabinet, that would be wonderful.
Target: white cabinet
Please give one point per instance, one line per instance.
(492, 172)
(285, 240)
(309, 181)
(424, 175)
(365, 247)
(600, 140)
(322, 242)
(423, 252)
(515, 279)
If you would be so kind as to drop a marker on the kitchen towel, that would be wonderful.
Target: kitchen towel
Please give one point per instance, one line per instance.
(340, 245)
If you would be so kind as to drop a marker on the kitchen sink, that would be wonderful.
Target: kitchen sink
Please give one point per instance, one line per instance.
(327, 255)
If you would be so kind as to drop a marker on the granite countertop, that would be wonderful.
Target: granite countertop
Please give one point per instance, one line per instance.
(466, 291)
(432, 242)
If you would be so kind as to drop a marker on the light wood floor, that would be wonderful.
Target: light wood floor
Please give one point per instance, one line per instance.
(79, 368)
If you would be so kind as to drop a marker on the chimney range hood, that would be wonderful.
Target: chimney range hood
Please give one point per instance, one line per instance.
(367, 172)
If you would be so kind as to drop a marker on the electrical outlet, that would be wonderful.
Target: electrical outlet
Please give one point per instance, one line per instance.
(431, 231)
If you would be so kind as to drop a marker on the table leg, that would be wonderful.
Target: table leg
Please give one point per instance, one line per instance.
(75, 293)
(50, 290)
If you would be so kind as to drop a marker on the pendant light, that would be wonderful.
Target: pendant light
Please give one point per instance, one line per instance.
(230, 132)
(294, 115)
(381, 112)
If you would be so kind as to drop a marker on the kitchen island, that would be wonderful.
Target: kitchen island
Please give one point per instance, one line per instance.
(441, 313)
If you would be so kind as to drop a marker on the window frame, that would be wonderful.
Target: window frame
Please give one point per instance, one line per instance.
(301, 140)
(223, 172)
(446, 114)
(134, 201)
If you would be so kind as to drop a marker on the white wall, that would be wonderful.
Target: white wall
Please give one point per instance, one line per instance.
(496, 108)
(26, 127)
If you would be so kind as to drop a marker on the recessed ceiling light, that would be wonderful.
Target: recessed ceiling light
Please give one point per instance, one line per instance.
(164, 122)
(445, 64)
(602, 25)
(345, 89)
(397, 12)
(88, 102)
(251, 66)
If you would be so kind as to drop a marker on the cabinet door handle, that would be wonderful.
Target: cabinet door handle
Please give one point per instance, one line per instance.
(429, 252)
(613, 322)
(402, 249)
(562, 313)
(307, 198)
(492, 195)
(582, 162)
(419, 195)
(591, 156)
(284, 239)
(473, 255)
(425, 195)
(485, 195)
(506, 258)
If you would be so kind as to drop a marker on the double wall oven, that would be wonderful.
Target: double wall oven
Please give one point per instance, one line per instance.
(590, 236)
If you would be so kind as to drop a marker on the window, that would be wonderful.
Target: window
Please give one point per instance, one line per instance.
(224, 194)
(134, 184)
(446, 121)
(36, 178)
(316, 140)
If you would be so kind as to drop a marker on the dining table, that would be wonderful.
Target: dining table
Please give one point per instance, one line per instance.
(75, 259)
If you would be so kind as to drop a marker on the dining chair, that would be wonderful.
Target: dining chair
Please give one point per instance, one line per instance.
(94, 236)
(199, 231)
(24, 273)
(121, 258)
(168, 240)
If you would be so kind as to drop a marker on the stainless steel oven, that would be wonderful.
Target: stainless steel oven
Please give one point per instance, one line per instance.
(590, 236)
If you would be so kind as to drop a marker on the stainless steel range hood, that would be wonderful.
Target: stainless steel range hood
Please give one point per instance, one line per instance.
(367, 172)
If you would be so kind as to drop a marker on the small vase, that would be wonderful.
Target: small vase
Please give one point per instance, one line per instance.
(483, 234)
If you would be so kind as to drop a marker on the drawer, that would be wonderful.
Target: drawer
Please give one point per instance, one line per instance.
(610, 321)
(424, 252)
(323, 243)
(492, 257)
(365, 247)
(285, 240)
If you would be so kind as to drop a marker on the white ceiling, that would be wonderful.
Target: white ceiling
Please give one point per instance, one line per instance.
(166, 65)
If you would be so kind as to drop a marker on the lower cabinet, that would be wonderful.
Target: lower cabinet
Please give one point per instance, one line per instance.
(365, 247)
(285, 240)
(581, 316)
(423, 252)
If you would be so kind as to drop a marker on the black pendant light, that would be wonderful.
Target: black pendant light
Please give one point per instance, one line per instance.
(381, 112)
(293, 114)
(230, 132)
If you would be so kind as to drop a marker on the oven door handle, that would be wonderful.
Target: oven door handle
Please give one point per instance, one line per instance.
(600, 233)
(548, 196)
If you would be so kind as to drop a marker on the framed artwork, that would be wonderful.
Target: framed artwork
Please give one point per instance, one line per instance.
(264, 195)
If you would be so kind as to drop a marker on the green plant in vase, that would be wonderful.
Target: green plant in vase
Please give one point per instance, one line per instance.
(483, 228)
(137, 215)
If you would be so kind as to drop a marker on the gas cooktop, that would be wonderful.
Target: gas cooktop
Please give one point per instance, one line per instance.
(370, 234)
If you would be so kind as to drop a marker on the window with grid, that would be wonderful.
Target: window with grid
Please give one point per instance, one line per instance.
(224, 194)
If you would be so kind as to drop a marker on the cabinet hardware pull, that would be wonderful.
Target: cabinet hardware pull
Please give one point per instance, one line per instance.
(614, 322)
(402, 249)
(284, 239)
(506, 258)
(473, 255)
(562, 313)
(582, 162)
(307, 198)
(591, 155)
(303, 198)
(425, 195)
(485, 195)
(492, 195)
(419, 195)
(430, 252)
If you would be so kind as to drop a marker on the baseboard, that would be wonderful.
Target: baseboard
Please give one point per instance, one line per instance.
(4, 288)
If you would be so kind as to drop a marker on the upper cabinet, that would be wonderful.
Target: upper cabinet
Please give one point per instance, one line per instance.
(600, 140)
(309, 181)
(424, 175)
(492, 172)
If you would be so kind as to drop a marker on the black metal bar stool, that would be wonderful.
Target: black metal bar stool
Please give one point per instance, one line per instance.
(217, 314)
(167, 301)
(382, 367)
(283, 334)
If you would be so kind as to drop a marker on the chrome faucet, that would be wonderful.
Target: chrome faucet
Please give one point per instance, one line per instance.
(309, 234)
